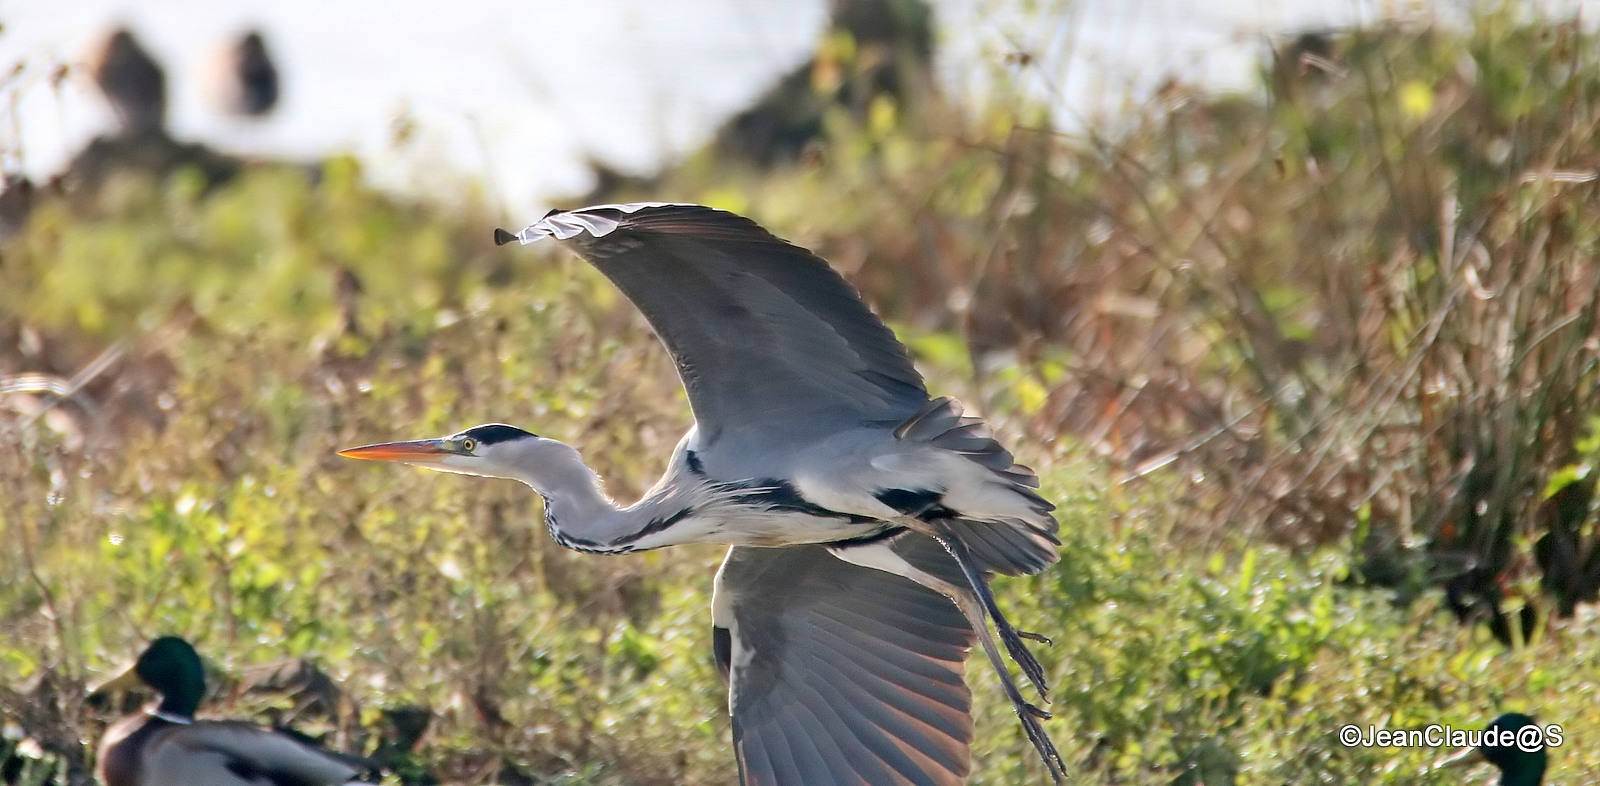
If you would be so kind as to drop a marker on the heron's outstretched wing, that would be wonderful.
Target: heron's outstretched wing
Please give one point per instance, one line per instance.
(762, 331)
(840, 673)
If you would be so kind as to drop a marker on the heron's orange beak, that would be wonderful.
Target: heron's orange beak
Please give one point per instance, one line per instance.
(414, 450)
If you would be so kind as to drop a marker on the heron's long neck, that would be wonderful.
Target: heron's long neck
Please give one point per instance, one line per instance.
(578, 512)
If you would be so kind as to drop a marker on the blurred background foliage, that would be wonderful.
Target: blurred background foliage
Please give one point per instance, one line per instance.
(1313, 377)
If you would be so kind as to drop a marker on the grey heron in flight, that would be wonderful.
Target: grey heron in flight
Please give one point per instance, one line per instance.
(814, 433)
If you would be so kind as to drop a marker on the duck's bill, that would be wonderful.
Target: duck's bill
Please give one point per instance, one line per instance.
(1461, 759)
(125, 681)
(413, 450)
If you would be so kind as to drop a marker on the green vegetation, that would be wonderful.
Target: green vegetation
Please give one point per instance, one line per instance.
(1343, 341)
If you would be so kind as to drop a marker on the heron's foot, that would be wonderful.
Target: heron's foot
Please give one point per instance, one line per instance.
(1019, 652)
(1030, 715)
(1041, 743)
(1039, 637)
(1010, 636)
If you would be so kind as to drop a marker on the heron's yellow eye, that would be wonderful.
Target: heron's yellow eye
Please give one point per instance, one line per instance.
(469, 445)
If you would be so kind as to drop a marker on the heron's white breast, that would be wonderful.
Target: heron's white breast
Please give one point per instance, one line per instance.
(744, 525)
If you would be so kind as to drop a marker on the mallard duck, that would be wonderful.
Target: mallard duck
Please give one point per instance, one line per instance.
(166, 745)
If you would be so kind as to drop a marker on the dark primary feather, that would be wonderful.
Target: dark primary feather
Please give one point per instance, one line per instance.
(854, 675)
(727, 298)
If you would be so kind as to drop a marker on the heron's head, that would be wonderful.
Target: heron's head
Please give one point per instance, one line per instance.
(494, 450)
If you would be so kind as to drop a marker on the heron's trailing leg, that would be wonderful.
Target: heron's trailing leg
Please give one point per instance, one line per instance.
(1009, 635)
(1012, 638)
(977, 609)
(1029, 713)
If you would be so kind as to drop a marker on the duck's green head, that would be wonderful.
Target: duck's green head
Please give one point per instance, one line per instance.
(1518, 766)
(173, 669)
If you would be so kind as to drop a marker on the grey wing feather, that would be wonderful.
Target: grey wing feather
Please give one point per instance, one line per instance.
(1010, 546)
(942, 423)
(762, 331)
(842, 674)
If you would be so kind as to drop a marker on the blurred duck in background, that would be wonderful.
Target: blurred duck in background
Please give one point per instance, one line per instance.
(136, 87)
(244, 80)
(131, 80)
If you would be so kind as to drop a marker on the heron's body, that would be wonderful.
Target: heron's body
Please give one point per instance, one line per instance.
(814, 432)
(688, 505)
(847, 486)
(166, 745)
